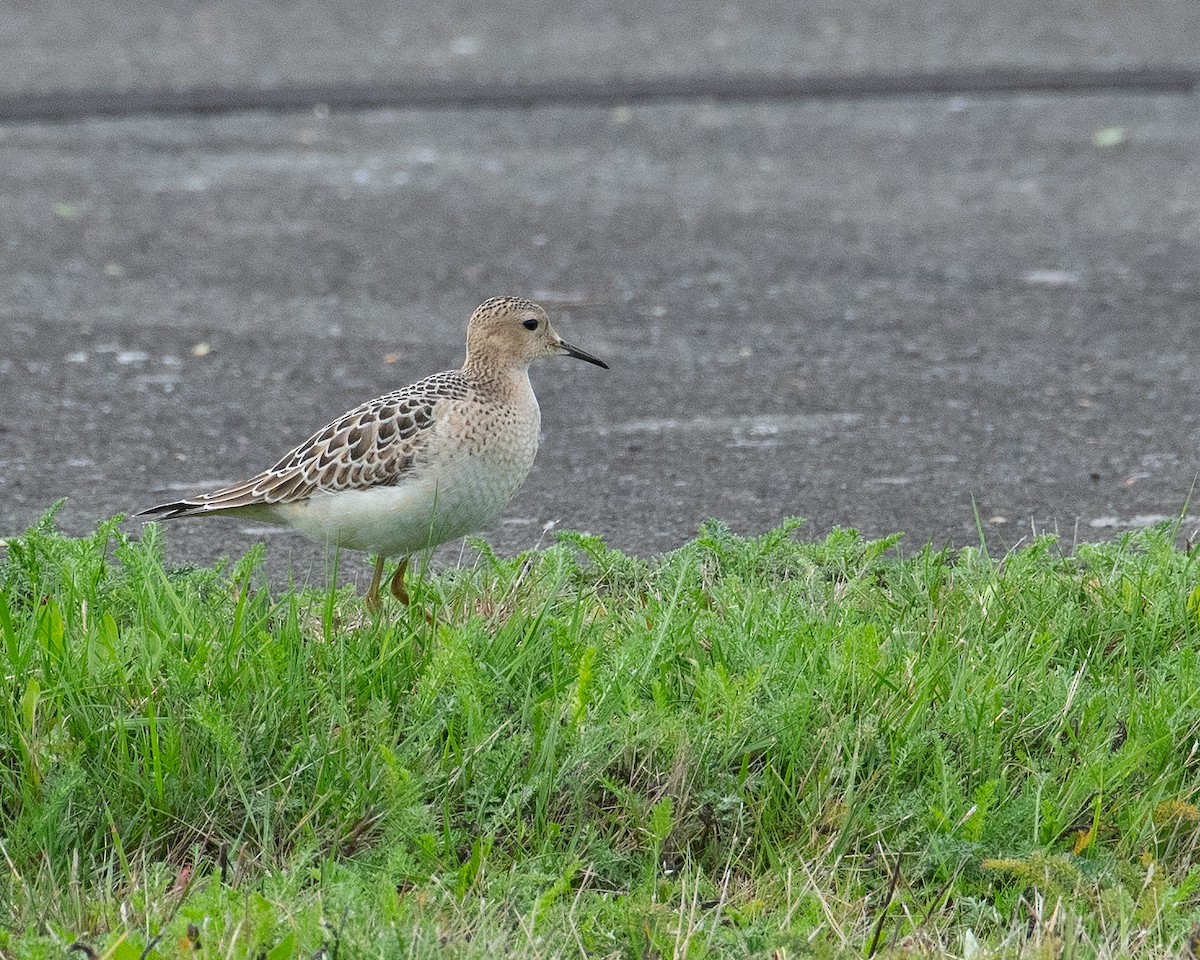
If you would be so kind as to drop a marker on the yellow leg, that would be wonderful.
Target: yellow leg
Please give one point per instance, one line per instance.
(373, 603)
(398, 590)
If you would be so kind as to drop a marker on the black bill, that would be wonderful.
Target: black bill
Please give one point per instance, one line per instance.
(580, 355)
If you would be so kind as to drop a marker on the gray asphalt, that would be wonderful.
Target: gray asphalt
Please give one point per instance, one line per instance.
(890, 314)
(121, 45)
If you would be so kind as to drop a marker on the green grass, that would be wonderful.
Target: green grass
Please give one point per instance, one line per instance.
(745, 747)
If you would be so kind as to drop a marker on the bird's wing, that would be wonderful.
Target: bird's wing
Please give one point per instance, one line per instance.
(374, 444)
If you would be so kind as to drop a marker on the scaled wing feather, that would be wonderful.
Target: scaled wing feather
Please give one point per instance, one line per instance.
(374, 444)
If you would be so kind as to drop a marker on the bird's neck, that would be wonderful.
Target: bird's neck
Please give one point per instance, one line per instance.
(504, 382)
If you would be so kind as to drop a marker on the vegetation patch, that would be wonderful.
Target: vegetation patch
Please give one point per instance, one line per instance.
(744, 747)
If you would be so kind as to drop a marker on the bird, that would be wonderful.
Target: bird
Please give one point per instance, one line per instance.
(417, 467)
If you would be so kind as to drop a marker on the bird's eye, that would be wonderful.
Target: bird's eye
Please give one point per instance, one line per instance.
(530, 324)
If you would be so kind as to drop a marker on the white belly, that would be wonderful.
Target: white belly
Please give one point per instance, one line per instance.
(458, 492)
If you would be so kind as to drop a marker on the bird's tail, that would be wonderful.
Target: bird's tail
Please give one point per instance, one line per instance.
(175, 509)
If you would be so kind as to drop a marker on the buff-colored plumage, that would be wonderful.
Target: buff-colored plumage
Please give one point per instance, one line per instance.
(417, 467)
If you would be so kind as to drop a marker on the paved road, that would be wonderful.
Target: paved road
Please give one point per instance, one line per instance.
(61, 46)
(883, 313)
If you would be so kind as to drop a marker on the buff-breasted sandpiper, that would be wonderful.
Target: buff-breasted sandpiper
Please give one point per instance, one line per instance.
(415, 468)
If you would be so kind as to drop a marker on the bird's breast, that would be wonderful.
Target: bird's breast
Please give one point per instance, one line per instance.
(481, 456)
(496, 439)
